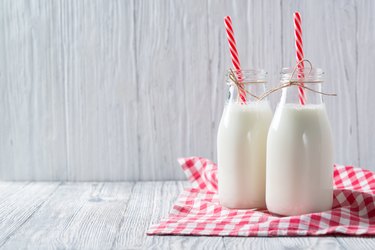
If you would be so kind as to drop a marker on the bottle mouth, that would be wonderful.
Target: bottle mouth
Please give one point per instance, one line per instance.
(247, 76)
(305, 74)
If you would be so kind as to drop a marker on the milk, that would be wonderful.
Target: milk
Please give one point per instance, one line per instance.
(299, 160)
(241, 148)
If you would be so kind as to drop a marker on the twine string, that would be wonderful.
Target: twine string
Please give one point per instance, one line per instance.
(289, 83)
(298, 83)
(240, 85)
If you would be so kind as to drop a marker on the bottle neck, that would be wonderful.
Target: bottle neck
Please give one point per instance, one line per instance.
(256, 89)
(253, 82)
(293, 94)
(311, 78)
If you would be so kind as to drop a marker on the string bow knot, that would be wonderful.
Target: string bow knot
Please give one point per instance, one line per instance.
(299, 83)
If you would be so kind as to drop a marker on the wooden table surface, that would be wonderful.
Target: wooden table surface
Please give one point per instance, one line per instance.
(116, 215)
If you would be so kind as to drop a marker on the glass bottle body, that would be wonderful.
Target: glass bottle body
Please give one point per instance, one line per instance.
(300, 152)
(241, 146)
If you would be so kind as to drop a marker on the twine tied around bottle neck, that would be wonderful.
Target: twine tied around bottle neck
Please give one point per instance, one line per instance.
(298, 82)
(240, 84)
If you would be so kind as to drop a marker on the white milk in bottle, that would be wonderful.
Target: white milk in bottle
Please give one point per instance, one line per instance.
(241, 145)
(300, 151)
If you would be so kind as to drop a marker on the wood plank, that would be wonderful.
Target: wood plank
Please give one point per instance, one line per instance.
(131, 234)
(32, 136)
(357, 242)
(365, 53)
(173, 85)
(281, 243)
(20, 204)
(98, 50)
(10, 188)
(77, 216)
(148, 203)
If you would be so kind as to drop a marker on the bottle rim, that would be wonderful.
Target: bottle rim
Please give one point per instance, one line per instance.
(307, 74)
(249, 76)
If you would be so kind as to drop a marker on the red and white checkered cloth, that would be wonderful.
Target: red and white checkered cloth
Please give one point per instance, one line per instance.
(198, 211)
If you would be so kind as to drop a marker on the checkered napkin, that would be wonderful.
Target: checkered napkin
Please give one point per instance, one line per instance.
(197, 210)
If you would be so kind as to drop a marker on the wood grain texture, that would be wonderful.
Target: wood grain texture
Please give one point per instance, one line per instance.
(356, 242)
(100, 80)
(32, 138)
(365, 39)
(171, 42)
(116, 216)
(17, 207)
(324, 243)
(76, 216)
(117, 90)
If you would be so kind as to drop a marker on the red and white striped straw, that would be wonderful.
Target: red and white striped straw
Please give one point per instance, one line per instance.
(234, 54)
(299, 53)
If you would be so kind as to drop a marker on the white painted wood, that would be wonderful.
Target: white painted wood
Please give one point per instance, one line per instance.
(364, 243)
(20, 204)
(101, 90)
(76, 216)
(365, 39)
(32, 134)
(324, 243)
(173, 85)
(116, 216)
(117, 90)
(131, 233)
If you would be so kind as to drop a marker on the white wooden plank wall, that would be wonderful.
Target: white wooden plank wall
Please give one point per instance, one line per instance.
(117, 90)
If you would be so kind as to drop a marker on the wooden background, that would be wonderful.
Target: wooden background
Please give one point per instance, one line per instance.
(117, 90)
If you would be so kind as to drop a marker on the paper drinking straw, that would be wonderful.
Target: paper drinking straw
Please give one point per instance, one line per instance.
(299, 53)
(234, 54)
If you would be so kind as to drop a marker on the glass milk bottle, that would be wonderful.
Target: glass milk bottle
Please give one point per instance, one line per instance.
(241, 144)
(300, 150)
